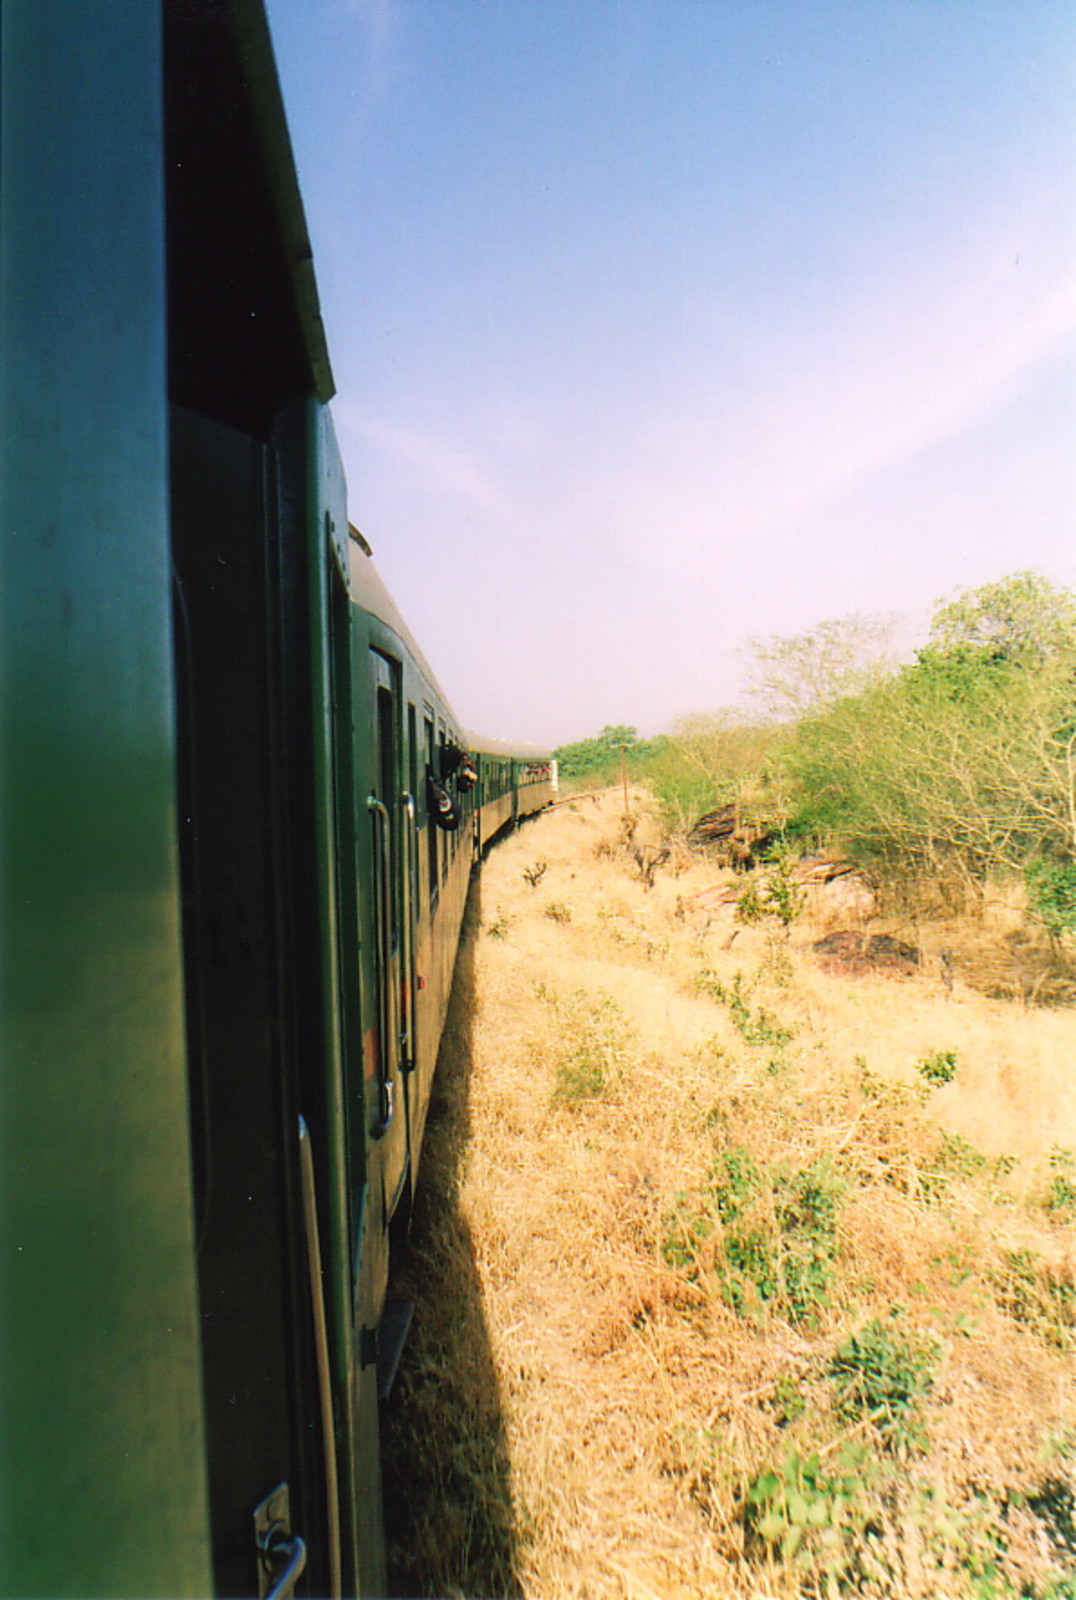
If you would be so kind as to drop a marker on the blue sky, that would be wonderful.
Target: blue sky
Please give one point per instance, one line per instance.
(659, 325)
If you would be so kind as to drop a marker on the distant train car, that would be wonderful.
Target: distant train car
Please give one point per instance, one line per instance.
(535, 784)
(237, 821)
(514, 781)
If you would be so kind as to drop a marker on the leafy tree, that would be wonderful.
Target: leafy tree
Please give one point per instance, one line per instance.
(963, 762)
(802, 674)
(587, 753)
(1022, 618)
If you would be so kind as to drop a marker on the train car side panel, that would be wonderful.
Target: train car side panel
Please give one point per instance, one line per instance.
(413, 741)
(534, 785)
(102, 1485)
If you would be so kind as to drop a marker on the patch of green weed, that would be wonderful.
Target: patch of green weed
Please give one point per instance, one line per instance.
(789, 1399)
(595, 1045)
(687, 1229)
(772, 894)
(755, 1025)
(884, 1373)
(1031, 1293)
(883, 1091)
(860, 1523)
(810, 1513)
(954, 1158)
(938, 1067)
(778, 1241)
(1060, 1197)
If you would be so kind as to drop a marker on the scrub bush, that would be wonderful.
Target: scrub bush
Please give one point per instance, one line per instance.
(770, 1233)
(754, 1025)
(885, 1372)
(938, 1067)
(595, 1042)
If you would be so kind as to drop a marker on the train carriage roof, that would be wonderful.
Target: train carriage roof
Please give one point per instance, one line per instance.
(368, 590)
(504, 747)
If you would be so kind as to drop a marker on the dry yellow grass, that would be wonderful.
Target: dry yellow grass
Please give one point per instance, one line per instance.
(583, 1409)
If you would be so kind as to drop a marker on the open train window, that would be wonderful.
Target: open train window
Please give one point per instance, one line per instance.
(431, 830)
(446, 854)
(412, 752)
(412, 821)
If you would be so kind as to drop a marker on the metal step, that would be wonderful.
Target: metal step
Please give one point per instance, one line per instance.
(391, 1337)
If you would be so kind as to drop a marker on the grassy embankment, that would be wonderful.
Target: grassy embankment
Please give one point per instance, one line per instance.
(735, 1276)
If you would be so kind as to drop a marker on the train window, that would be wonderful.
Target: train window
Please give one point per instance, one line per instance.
(446, 854)
(453, 745)
(411, 821)
(431, 830)
(387, 786)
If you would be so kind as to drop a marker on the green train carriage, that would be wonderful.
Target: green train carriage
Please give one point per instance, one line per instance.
(230, 905)
(514, 782)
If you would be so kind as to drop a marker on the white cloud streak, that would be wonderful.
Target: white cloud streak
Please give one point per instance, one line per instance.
(445, 468)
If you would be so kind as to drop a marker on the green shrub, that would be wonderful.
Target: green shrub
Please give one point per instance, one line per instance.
(1030, 1292)
(938, 1067)
(1051, 889)
(714, 759)
(755, 1026)
(885, 1373)
(778, 1234)
(600, 760)
(1060, 1198)
(959, 763)
(595, 1041)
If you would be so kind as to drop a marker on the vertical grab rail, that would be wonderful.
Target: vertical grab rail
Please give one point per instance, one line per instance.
(410, 857)
(383, 924)
(321, 1346)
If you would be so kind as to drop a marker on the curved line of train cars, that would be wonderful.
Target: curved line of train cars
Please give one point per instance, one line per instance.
(238, 820)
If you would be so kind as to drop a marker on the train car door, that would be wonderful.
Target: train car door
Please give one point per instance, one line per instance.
(243, 856)
(393, 937)
(347, 822)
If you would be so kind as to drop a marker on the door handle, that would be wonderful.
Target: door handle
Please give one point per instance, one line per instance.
(321, 1347)
(288, 1552)
(281, 1553)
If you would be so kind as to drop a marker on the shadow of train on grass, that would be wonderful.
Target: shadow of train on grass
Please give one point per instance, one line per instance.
(448, 1506)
